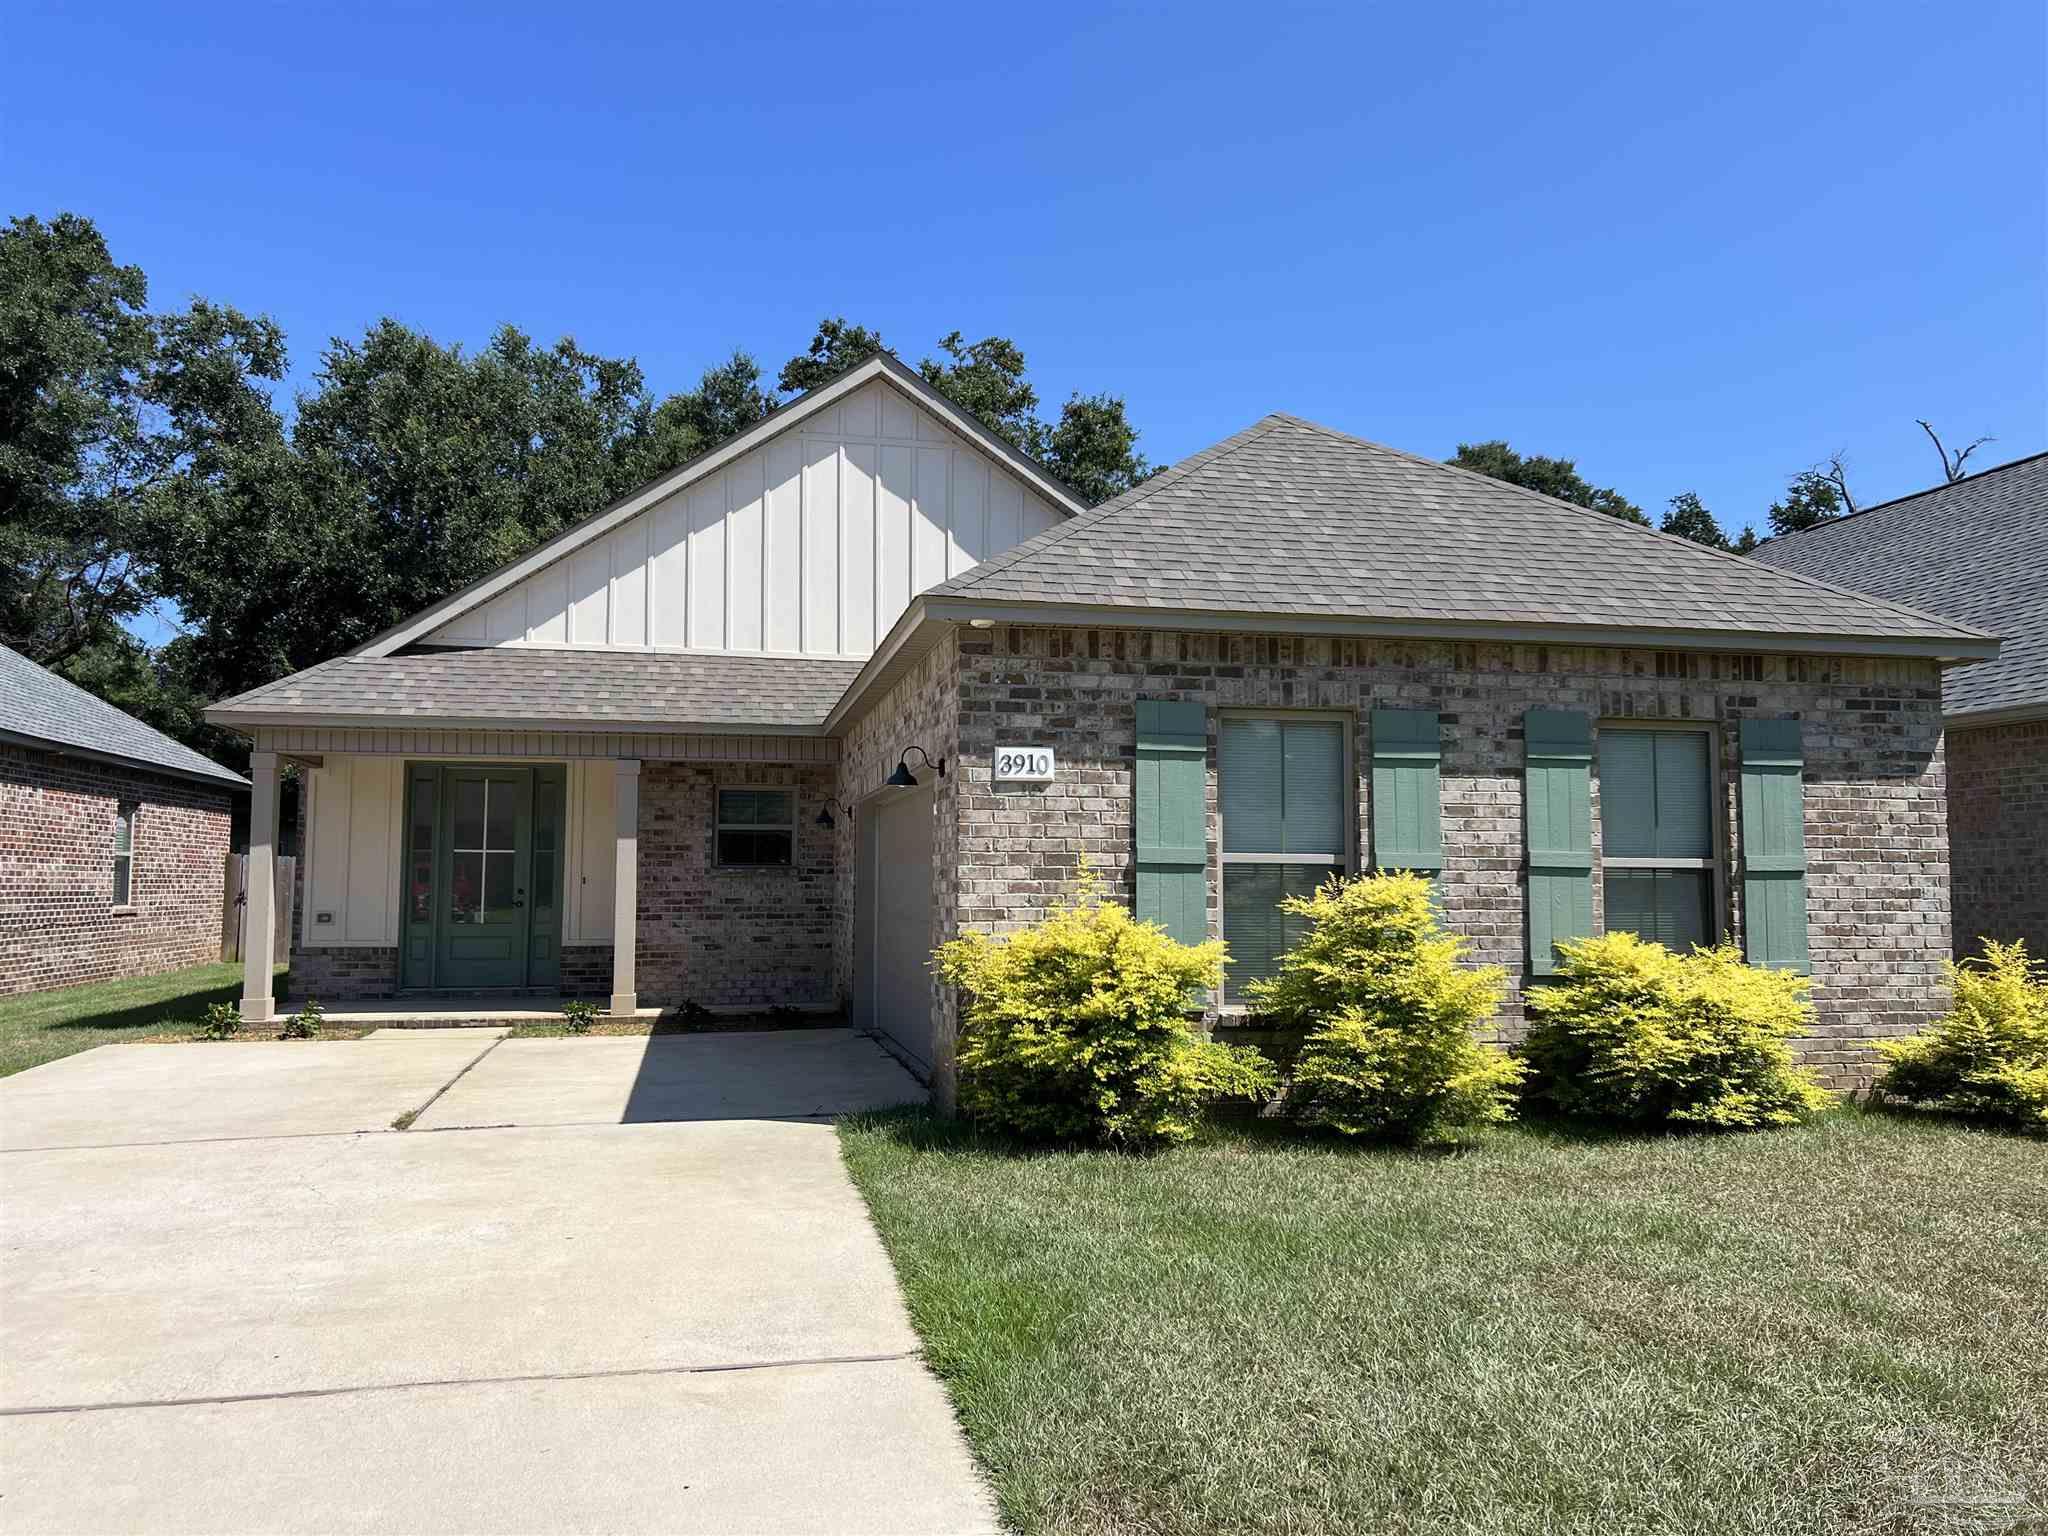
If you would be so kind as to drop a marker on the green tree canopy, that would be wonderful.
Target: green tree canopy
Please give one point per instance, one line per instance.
(1552, 477)
(1811, 498)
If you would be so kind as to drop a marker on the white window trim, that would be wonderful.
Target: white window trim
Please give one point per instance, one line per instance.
(1346, 859)
(1715, 866)
(720, 826)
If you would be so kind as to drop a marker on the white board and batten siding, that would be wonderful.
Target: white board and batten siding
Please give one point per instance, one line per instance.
(811, 544)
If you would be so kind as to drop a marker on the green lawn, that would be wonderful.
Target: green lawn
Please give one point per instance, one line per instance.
(1838, 1328)
(43, 1026)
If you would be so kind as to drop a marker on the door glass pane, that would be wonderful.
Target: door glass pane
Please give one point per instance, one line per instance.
(465, 885)
(1684, 812)
(422, 877)
(467, 821)
(422, 814)
(1257, 932)
(498, 873)
(1248, 788)
(1312, 790)
(501, 803)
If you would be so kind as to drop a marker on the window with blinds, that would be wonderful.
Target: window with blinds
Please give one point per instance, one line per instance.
(124, 854)
(1281, 793)
(1657, 834)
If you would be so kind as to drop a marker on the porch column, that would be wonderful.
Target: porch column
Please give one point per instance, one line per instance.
(626, 890)
(259, 890)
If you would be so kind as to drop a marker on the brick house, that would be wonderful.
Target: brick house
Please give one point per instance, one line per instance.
(112, 839)
(1975, 549)
(770, 728)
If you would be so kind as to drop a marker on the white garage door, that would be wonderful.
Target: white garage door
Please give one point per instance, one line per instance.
(893, 922)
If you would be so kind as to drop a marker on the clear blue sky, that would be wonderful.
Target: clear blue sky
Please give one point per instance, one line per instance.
(1692, 247)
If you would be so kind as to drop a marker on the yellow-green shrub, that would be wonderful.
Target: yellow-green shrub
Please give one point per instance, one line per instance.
(1633, 1033)
(1390, 1014)
(1988, 1055)
(1075, 1029)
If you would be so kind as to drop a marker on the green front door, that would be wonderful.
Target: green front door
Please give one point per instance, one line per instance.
(486, 872)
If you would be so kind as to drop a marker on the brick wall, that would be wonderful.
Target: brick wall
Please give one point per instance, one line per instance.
(58, 922)
(922, 708)
(1876, 833)
(1998, 833)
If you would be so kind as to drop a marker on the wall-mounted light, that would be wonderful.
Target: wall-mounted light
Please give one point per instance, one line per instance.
(825, 811)
(903, 778)
(982, 623)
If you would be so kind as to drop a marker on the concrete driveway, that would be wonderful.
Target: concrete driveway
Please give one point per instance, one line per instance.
(598, 1285)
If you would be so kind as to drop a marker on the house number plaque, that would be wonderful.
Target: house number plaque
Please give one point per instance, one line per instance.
(1024, 765)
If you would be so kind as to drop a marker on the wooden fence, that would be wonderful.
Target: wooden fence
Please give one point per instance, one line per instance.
(234, 909)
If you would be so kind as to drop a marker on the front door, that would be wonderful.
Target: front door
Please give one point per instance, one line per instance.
(486, 875)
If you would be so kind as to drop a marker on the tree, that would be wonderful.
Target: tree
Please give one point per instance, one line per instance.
(1814, 496)
(987, 381)
(1951, 463)
(1092, 448)
(728, 399)
(836, 347)
(1689, 518)
(1553, 477)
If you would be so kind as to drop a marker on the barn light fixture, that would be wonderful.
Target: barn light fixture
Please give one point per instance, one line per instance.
(903, 778)
(825, 811)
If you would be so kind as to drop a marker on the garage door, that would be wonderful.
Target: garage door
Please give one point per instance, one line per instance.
(894, 920)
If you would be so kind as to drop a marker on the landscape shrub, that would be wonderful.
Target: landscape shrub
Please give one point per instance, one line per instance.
(1075, 1029)
(1988, 1055)
(578, 1015)
(1635, 1034)
(303, 1025)
(1390, 1013)
(223, 1021)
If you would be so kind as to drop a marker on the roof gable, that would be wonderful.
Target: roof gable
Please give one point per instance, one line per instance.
(1974, 550)
(447, 616)
(1291, 519)
(44, 709)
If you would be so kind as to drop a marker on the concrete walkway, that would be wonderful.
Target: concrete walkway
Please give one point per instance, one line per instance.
(232, 1298)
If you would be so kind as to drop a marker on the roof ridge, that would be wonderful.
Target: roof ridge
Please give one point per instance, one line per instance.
(1173, 474)
(1625, 525)
(1931, 490)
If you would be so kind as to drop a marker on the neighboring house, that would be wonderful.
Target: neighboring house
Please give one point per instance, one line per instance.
(113, 839)
(1975, 549)
(769, 729)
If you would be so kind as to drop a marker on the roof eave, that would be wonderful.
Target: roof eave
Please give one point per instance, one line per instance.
(245, 721)
(2008, 714)
(225, 778)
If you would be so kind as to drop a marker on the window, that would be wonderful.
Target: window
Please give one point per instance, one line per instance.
(1657, 834)
(757, 826)
(1281, 787)
(124, 853)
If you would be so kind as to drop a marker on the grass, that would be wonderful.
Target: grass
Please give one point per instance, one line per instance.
(42, 1026)
(1837, 1328)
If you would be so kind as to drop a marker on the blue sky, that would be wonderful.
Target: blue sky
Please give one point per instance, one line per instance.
(1691, 247)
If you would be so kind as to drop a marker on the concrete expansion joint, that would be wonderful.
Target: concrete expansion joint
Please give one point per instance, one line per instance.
(623, 1372)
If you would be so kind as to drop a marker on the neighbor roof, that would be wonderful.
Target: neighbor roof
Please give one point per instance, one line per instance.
(541, 688)
(1976, 550)
(42, 709)
(782, 419)
(1291, 519)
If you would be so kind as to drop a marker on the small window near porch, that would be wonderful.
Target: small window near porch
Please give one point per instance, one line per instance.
(124, 853)
(757, 828)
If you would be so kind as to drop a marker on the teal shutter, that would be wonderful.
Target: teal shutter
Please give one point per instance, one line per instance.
(1773, 845)
(1173, 822)
(1557, 791)
(1407, 791)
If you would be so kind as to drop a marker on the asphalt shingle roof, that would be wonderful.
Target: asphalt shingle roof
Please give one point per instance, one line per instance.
(517, 685)
(37, 704)
(1975, 550)
(1291, 518)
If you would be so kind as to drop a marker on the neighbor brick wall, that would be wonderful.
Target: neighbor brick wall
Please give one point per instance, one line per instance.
(1998, 834)
(1876, 833)
(58, 922)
